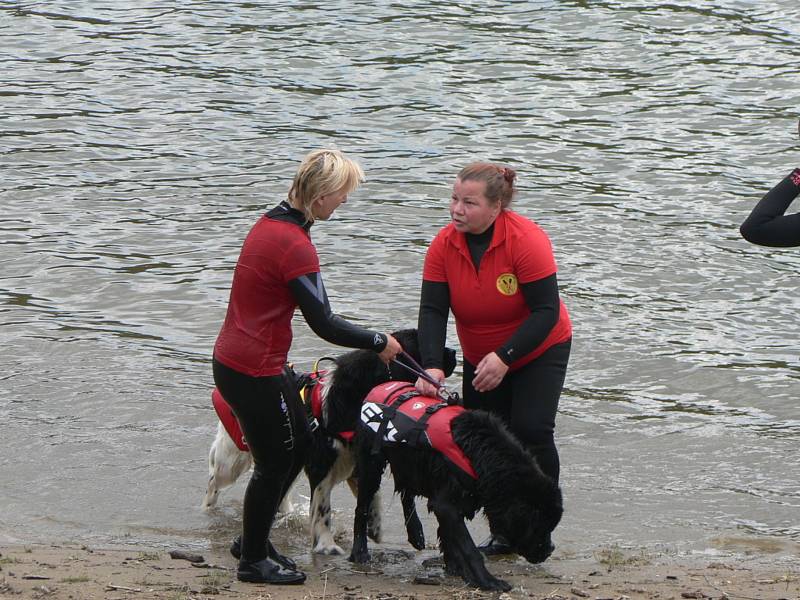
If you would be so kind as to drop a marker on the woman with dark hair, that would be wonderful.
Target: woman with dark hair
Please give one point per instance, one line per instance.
(277, 271)
(495, 270)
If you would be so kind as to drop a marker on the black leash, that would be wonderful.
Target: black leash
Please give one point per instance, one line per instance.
(416, 369)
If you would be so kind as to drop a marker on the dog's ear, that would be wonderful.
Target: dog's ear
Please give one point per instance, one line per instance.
(398, 373)
(408, 340)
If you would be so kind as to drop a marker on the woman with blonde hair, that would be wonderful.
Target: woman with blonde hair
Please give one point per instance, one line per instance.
(495, 270)
(278, 270)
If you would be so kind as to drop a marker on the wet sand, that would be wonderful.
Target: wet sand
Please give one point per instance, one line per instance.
(71, 572)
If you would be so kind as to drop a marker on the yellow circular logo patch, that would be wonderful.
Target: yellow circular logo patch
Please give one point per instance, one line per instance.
(507, 284)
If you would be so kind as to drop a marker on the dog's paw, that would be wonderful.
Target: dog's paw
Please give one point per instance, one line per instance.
(328, 550)
(492, 584)
(360, 557)
(451, 568)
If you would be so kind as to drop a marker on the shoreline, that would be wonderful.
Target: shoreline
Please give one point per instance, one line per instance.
(80, 571)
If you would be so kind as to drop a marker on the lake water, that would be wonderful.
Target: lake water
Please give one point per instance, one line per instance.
(140, 141)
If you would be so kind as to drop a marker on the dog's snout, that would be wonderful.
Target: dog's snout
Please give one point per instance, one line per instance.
(540, 552)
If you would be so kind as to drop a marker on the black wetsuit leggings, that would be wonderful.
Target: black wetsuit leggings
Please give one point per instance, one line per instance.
(527, 401)
(274, 424)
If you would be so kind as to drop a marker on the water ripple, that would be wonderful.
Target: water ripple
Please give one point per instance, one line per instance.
(140, 143)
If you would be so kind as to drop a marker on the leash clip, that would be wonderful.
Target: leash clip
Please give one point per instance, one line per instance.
(451, 398)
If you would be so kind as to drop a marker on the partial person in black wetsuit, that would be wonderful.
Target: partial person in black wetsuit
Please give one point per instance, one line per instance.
(277, 271)
(496, 271)
(767, 224)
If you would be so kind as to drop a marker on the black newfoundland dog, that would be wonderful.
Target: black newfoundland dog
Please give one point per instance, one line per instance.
(479, 466)
(331, 459)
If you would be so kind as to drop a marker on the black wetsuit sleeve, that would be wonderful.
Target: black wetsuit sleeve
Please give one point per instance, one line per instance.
(434, 308)
(310, 295)
(767, 225)
(543, 300)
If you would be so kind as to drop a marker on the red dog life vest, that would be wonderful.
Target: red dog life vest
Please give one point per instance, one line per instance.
(311, 393)
(399, 414)
(312, 397)
(228, 420)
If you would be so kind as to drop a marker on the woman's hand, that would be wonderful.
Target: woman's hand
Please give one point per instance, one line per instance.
(489, 373)
(426, 388)
(392, 349)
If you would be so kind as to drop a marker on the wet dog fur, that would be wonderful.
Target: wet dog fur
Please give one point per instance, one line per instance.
(226, 464)
(520, 502)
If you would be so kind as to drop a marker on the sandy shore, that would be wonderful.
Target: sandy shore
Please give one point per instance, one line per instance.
(62, 572)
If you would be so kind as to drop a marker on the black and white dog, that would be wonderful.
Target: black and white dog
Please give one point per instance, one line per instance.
(336, 408)
(462, 461)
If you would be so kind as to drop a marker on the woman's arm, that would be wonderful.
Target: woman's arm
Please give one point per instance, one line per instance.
(543, 300)
(767, 225)
(310, 295)
(434, 308)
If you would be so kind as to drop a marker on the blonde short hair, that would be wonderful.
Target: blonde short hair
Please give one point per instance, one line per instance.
(323, 172)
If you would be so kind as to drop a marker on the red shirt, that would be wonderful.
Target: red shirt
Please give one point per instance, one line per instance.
(487, 304)
(257, 332)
